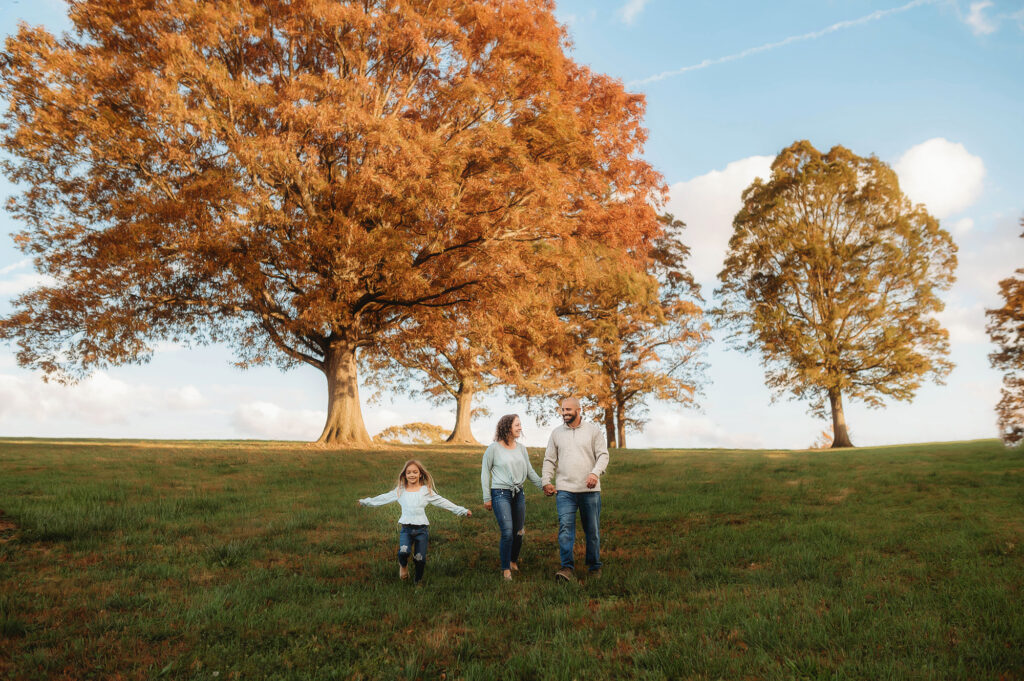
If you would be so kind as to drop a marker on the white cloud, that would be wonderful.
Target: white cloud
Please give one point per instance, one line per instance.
(267, 420)
(677, 430)
(21, 282)
(980, 23)
(965, 323)
(20, 265)
(963, 226)
(708, 204)
(631, 10)
(942, 175)
(187, 397)
(99, 399)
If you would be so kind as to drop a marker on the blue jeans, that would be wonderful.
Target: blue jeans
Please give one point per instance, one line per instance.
(510, 510)
(412, 539)
(589, 506)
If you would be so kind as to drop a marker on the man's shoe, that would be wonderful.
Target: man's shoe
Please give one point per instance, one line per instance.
(594, 574)
(565, 575)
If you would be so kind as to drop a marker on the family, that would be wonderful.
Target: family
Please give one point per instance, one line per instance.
(576, 457)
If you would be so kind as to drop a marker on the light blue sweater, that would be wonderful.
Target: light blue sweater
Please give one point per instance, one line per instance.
(504, 468)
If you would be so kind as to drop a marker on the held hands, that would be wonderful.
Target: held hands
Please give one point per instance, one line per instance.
(591, 481)
(549, 489)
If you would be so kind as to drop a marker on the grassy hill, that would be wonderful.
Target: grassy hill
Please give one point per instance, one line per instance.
(247, 560)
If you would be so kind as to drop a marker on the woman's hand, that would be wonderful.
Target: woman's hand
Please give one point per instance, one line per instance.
(487, 505)
(469, 514)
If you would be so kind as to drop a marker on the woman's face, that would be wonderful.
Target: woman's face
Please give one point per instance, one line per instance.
(517, 428)
(412, 474)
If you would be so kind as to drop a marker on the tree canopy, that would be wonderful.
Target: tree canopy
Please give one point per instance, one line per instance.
(299, 178)
(1006, 329)
(833, 276)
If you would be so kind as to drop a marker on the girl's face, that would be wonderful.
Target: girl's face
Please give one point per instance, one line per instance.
(517, 428)
(412, 474)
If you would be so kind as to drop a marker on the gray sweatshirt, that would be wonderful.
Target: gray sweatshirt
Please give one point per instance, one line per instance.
(573, 454)
(504, 468)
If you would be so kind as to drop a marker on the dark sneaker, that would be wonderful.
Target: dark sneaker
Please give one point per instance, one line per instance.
(594, 574)
(565, 575)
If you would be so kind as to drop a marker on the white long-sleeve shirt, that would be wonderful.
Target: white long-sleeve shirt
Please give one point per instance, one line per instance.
(414, 504)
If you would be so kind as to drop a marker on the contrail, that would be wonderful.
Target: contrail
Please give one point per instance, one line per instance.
(786, 41)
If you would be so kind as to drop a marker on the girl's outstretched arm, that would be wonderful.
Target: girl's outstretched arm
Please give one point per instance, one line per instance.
(439, 501)
(380, 499)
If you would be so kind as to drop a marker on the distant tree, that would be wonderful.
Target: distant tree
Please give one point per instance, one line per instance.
(298, 178)
(461, 353)
(411, 434)
(834, 277)
(640, 335)
(1006, 329)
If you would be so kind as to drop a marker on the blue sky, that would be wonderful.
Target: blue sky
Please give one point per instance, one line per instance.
(934, 88)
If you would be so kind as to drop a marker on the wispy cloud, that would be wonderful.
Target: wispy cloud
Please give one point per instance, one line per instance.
(631, 10)
(850, 23)
(978, 21)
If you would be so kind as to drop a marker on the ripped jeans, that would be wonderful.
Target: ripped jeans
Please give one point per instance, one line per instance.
(509, 508)
(412, 540)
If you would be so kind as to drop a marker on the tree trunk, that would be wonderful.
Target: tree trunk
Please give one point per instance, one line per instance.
(462, 434)
(840, 437)
(609, 427)
(620, 417)
(344, 427)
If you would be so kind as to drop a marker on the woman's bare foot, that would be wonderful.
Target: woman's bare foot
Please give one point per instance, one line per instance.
(515, 567)
(507, 574)
(403, 572)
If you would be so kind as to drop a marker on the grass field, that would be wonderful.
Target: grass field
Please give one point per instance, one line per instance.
(240, 560)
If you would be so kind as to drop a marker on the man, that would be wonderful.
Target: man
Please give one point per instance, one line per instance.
(576, 456)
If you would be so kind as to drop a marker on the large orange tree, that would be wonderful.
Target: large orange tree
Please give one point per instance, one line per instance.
(297, 178)
(834, 277)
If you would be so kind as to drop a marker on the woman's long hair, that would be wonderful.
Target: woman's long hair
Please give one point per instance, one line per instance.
(503, 433)
(425, 477)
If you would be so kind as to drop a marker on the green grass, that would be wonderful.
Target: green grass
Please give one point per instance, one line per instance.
(242, 560)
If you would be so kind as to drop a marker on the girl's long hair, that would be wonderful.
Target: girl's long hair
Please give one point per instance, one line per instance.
(425, 477)
(503, 433)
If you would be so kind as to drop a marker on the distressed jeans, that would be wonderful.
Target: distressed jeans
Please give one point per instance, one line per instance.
(509, 508)
(412, 540)
(589, 506)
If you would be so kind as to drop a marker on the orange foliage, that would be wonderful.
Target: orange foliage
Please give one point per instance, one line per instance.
(1006, 329)
(300, 179)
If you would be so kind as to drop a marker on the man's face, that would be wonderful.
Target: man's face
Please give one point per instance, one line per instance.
(570, 410)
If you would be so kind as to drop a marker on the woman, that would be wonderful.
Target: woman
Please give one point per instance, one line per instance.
(505, 468)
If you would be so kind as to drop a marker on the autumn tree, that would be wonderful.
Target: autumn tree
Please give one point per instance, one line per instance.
(417, 433)
(1006, 329)
(458, 354)
(833, 276)
(297, 178)
(640, 335)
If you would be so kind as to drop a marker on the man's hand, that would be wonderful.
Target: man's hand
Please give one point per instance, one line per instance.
(591, 481)
(469, 514)
(487, 505)
(549, 489)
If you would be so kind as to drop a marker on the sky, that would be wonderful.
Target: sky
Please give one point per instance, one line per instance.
(935, 88)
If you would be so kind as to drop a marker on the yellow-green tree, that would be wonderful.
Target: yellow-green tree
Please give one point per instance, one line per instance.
(833, 276)
(1006, 329)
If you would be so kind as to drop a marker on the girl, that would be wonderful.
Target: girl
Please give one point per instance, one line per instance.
(504, 470)
(415, 489)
